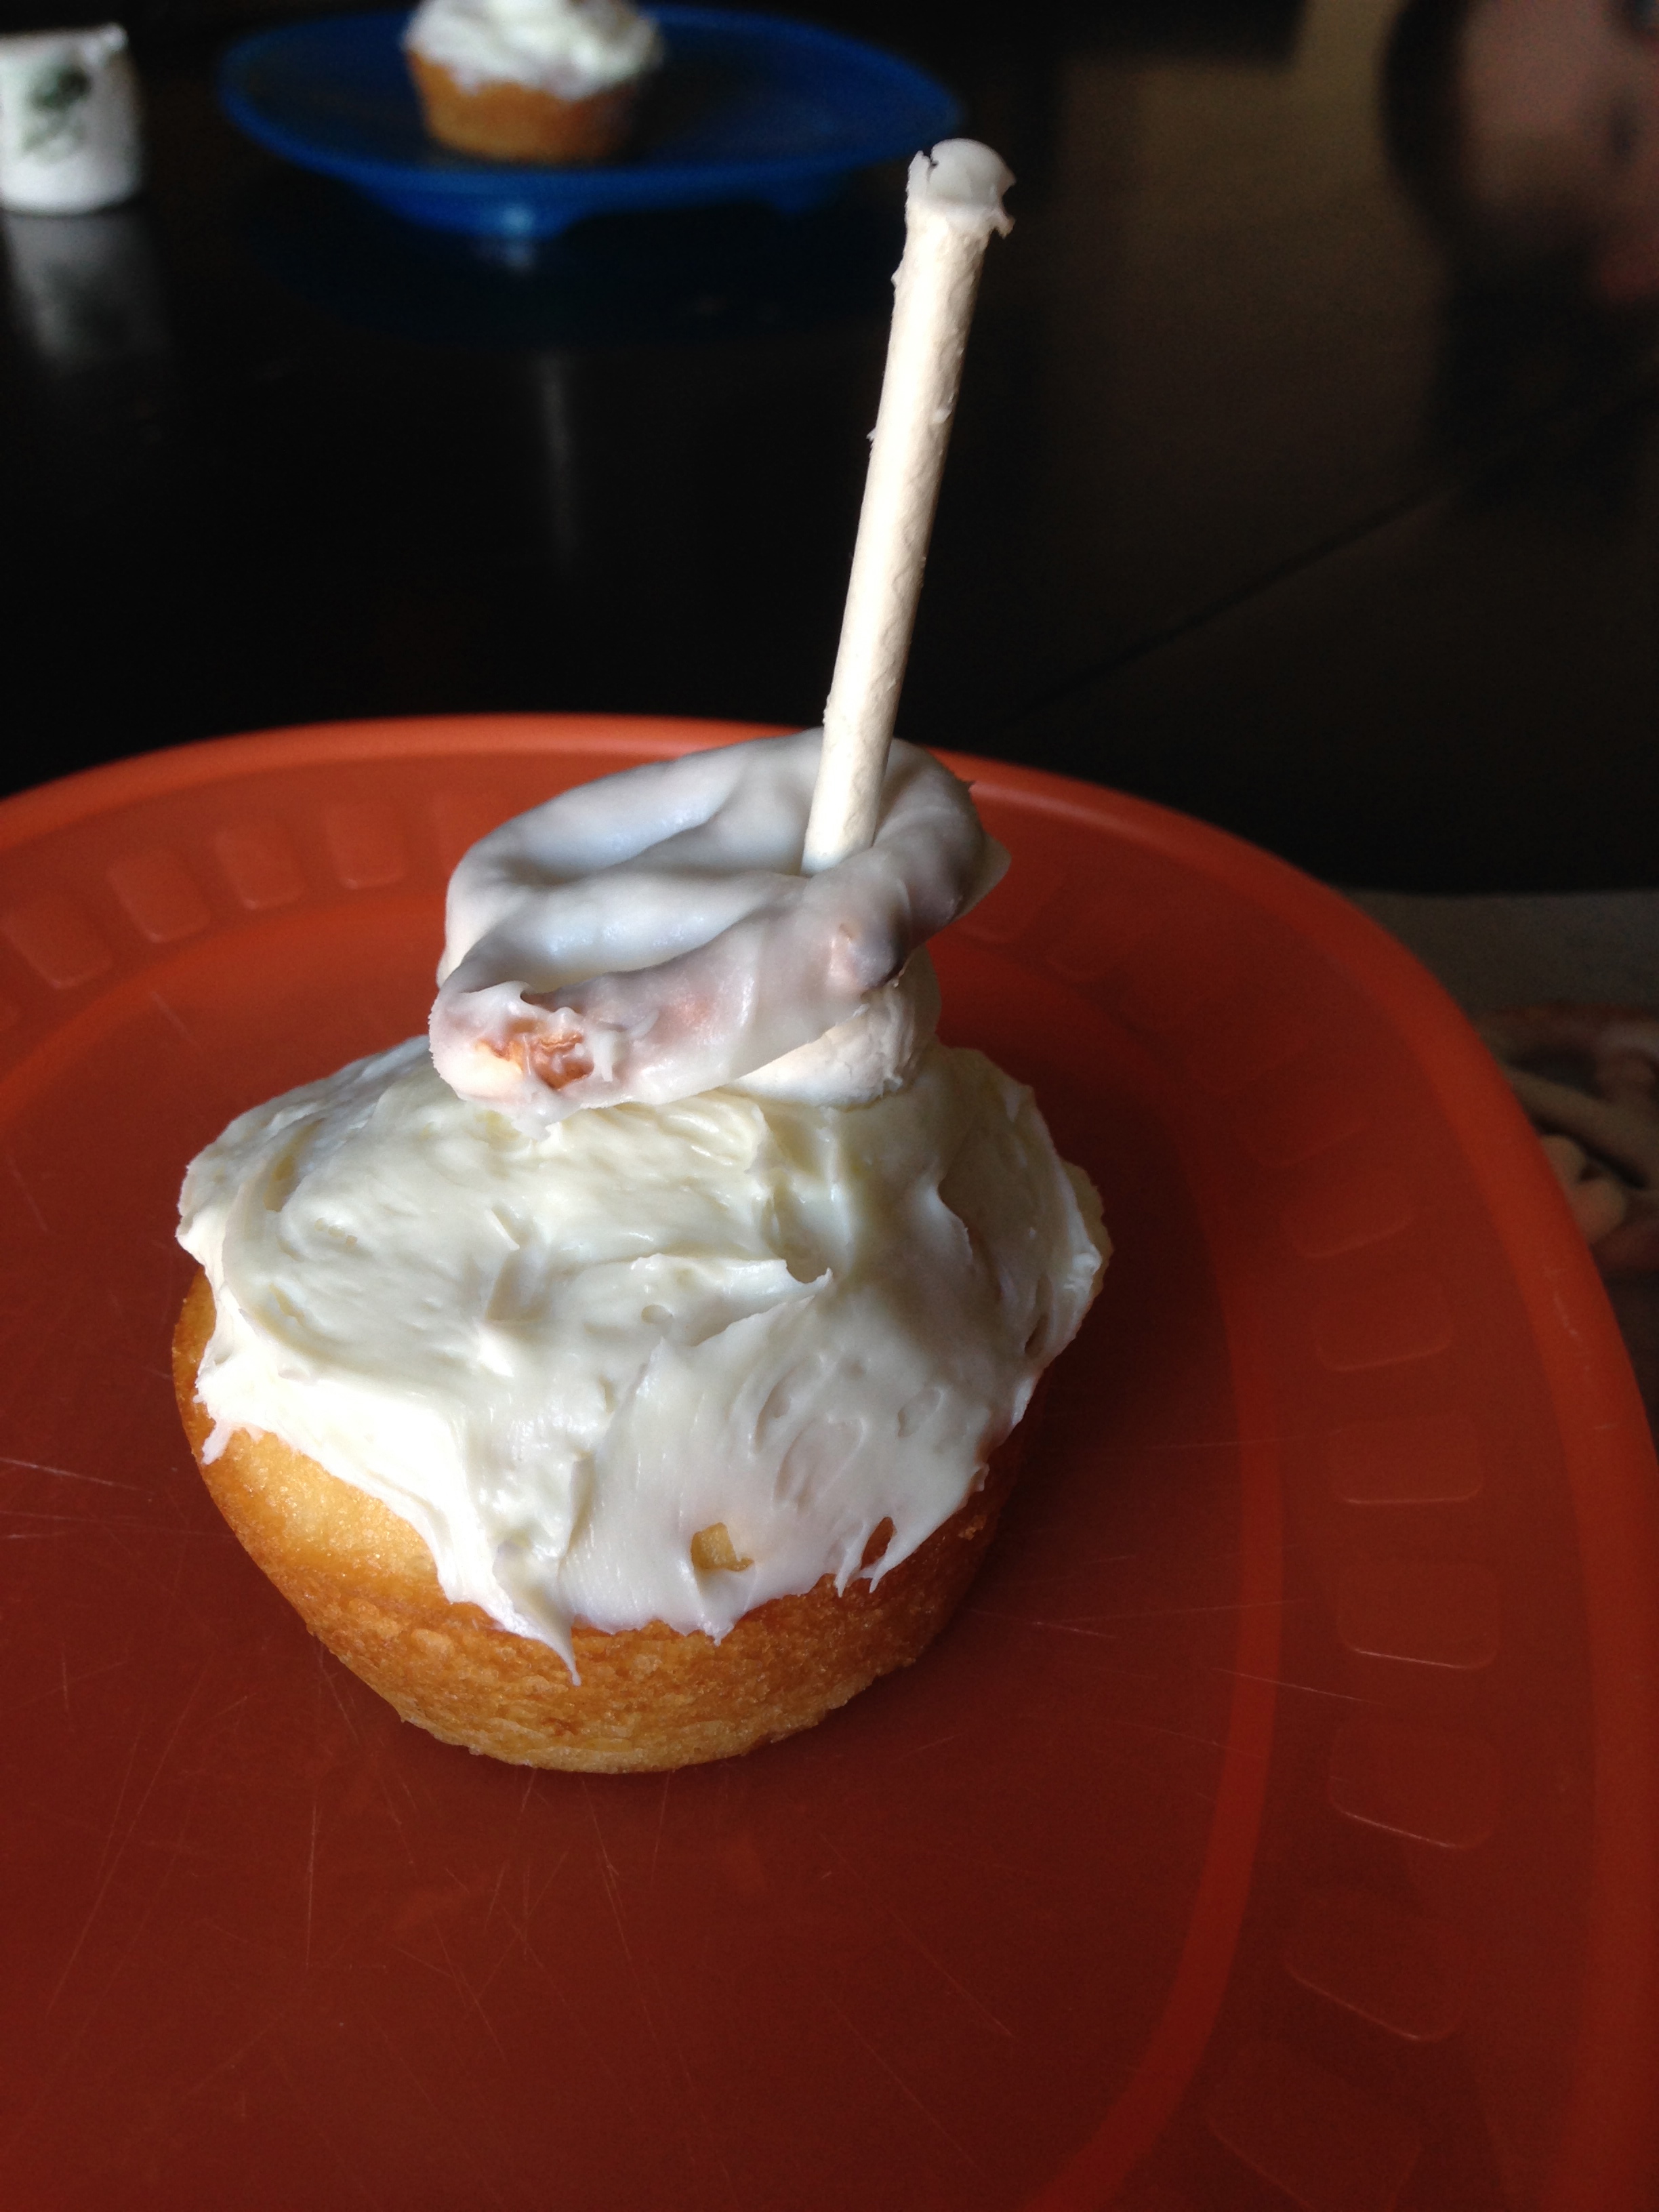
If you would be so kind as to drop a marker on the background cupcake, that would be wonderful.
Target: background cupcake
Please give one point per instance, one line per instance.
(531, 80)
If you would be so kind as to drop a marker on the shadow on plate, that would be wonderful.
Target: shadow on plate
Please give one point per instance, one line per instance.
(673, 277)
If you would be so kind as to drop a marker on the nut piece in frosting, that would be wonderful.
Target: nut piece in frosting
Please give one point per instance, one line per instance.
(543, 81)
(628, 1379)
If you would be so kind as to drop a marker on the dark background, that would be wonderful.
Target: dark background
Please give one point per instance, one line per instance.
(1249, 509)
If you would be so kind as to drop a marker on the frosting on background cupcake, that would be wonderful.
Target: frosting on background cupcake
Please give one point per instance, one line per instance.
(571, 48)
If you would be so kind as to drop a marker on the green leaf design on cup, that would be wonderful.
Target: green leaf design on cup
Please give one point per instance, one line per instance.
(54, 101)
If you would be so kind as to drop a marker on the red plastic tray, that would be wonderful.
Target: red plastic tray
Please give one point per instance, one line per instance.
(1277, 1823)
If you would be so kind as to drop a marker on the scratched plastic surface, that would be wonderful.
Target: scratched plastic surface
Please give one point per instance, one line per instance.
(1276, 1826)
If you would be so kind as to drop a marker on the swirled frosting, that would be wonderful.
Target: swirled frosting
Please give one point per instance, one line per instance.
(571, 48)
(651, 936)
(562, 1355)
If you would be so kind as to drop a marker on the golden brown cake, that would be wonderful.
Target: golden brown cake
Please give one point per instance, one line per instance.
(509, 122)
(363, 1581)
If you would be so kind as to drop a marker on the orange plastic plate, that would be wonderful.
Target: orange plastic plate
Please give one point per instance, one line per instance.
(1276, 1825)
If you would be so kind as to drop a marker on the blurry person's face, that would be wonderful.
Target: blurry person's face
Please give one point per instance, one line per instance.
(1561, 103)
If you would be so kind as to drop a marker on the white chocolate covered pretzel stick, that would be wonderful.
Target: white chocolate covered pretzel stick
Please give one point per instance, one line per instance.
(749, 914)
(953, 204)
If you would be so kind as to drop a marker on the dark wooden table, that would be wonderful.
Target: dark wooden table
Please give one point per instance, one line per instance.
(1248, 509)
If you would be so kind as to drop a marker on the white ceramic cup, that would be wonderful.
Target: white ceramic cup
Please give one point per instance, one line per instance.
(70, 138)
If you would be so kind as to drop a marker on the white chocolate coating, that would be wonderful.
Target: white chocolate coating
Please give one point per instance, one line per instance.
(571, 48)
(561, 1355)
(649, 936)
(963, 182)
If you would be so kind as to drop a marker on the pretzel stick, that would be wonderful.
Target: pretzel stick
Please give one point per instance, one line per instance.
(952, 205)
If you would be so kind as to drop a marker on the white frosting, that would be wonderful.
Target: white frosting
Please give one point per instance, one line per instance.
(560, 1354)
(650, 936)
(571, 48)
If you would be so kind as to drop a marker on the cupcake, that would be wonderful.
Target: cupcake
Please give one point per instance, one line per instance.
(548, 80)
(624, 1375)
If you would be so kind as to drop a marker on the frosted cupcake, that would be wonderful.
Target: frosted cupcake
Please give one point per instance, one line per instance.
(552, 81)
(623, 1378)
